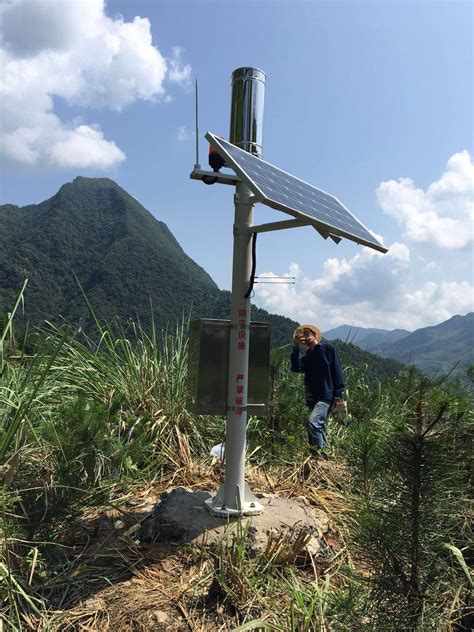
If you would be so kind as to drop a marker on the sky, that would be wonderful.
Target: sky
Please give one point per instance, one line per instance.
(369, 101)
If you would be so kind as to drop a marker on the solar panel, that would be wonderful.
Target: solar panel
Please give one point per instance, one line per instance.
(282, 191)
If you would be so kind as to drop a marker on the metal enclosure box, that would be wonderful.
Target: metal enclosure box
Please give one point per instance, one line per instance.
(208, 367)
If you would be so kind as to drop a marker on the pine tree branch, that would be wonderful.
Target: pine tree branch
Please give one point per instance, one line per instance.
(442, 409)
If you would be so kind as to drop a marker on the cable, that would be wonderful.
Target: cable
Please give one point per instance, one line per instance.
(254, 265)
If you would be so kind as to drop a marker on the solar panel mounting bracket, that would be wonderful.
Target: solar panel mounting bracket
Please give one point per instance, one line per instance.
(264, 228)
(324, 234)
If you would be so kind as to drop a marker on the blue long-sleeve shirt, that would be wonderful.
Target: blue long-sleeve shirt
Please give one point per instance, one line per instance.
(323, 376)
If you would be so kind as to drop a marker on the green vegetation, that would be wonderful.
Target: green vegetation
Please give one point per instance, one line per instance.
(94, 235)
(91, 423)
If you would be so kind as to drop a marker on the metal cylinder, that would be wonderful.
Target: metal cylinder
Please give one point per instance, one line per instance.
(246, 118)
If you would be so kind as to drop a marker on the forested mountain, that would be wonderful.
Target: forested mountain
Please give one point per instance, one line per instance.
(438, 349)
(434, 350)
(122, 256)
(367, 338)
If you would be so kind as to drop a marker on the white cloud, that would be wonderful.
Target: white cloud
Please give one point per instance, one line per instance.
(76, 147)
(368, 290)
(179, 72)
(443, 214)
(183, 134)
(73, 51)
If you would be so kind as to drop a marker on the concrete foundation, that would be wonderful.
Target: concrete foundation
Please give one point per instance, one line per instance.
(181, 516)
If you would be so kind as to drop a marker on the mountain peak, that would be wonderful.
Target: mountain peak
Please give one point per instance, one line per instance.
(93, 230)
(85, 180)
(81, 184)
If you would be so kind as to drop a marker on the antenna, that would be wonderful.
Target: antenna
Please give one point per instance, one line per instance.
(276, 280)
(197, 165)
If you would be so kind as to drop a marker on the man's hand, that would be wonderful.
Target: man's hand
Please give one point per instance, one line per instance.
(300, 338)
(339, 409)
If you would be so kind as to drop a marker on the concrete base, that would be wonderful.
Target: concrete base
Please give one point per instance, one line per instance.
(181, 516)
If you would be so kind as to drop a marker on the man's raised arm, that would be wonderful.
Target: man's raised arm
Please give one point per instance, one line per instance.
(296, 364)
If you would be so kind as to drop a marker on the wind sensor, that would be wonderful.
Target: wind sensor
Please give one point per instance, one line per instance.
(256, 180)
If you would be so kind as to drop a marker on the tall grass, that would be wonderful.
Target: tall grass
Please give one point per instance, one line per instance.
(78, 415)
(141, 378)
(7, 333)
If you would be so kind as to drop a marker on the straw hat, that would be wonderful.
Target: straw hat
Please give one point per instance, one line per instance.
(299, 330)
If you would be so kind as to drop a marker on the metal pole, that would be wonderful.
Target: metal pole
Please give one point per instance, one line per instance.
(235, 496)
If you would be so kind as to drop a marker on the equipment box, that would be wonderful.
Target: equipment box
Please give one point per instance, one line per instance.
(208, 367)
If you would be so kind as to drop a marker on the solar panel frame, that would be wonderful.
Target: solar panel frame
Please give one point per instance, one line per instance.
(330, 202)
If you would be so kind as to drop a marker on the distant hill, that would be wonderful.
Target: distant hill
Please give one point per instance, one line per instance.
(365, 338)
(438, 349)
(434, 350)
(122, 256)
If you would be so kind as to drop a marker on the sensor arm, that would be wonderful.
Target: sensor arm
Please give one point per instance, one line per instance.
(217, 176)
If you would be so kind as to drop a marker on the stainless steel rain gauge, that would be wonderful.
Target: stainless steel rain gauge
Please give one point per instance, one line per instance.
(258, 181)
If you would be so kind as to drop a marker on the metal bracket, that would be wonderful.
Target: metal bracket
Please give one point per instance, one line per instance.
(234, 408)
(249, 199)
(324, 234)
(241, 229)
(289, 223)
(246, 503)
(220, 178)
(264, 228)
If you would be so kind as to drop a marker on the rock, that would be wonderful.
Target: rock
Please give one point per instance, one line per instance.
(95, 604)
(160, 616)
(313, 546)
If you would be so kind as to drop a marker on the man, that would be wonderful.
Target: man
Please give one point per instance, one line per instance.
(323, 378)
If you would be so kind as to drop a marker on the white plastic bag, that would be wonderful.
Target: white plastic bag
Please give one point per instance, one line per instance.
(218, 451)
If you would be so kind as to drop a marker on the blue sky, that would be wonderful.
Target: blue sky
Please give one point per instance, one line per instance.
(370, 101)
